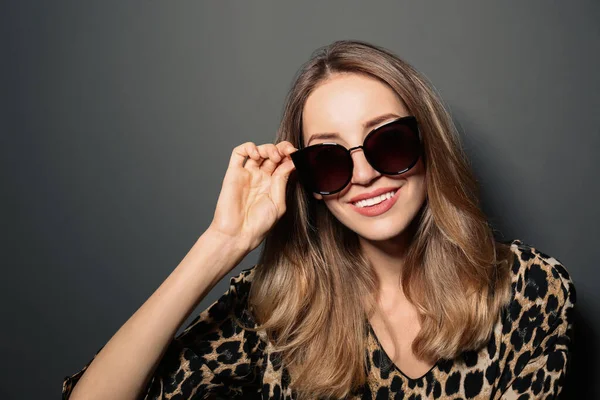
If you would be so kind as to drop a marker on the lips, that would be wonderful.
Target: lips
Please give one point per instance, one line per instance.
(378, 209)
(372, 194)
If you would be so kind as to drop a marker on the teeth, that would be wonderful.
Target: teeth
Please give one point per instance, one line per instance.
(374, 200)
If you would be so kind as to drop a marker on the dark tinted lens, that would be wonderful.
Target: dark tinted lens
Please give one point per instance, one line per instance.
(393, 148)
(329, 167)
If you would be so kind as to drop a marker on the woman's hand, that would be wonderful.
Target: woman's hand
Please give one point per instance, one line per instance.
(252, 196)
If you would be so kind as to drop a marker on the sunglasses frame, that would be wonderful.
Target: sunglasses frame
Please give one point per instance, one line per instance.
(299, 160)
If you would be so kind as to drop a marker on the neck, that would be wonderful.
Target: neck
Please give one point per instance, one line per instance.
(386, 257)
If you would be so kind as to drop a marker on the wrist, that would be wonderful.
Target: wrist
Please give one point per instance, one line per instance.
(233, 245)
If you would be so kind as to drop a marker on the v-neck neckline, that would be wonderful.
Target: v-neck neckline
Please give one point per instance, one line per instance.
(393, 364)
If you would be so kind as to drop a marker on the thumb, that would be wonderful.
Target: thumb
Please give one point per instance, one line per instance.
(280, 180)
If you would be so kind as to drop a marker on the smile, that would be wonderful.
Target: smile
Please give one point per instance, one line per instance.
(375, 200)
(376, 205)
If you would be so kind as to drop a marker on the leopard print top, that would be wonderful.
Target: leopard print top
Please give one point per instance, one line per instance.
(526, 357)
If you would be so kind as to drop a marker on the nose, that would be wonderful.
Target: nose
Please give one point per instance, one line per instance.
(363, 172)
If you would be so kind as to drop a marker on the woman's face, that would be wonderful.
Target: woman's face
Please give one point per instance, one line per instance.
(344, 104)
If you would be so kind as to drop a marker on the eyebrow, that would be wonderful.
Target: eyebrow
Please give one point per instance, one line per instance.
(367, 125)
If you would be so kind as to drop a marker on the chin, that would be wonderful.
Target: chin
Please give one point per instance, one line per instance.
(378, 236)
(390, 227)
(380, 230)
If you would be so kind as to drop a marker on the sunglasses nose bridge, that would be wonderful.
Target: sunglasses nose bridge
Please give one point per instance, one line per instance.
(362, 170)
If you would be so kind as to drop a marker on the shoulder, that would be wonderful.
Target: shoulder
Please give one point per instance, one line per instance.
(537, 276)
(543, 296)
(239, 285)
(243, 279)
(235, 299)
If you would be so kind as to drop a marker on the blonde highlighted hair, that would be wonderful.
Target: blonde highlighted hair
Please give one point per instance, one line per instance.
(313, 291)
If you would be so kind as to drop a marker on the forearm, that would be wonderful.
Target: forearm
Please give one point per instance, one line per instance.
(125, 364)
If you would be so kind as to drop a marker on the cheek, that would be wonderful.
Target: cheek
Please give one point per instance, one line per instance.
(421, 186)
(418, 194)
(418, 179)
(335, 206)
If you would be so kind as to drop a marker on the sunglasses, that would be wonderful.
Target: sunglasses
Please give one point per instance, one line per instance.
(391, 149)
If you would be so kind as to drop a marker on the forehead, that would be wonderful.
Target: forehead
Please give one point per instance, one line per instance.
(345, 101)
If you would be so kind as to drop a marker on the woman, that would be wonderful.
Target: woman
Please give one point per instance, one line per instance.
(379, 277)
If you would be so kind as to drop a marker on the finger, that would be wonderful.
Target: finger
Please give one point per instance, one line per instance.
(284, 168)
(269, 150)
(239, 154)
(268, 166)
(278, 187)
(272, 157)
(286, 148)
(254, 160)
(263, 153)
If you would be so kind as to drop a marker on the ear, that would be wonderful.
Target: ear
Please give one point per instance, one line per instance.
(318, 196)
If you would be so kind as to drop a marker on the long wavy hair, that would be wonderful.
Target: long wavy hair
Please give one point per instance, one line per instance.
(313, 291)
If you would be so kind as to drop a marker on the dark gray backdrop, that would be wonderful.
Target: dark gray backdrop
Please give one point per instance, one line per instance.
(117, 121)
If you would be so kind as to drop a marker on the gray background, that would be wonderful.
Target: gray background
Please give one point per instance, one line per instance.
(117, 121)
